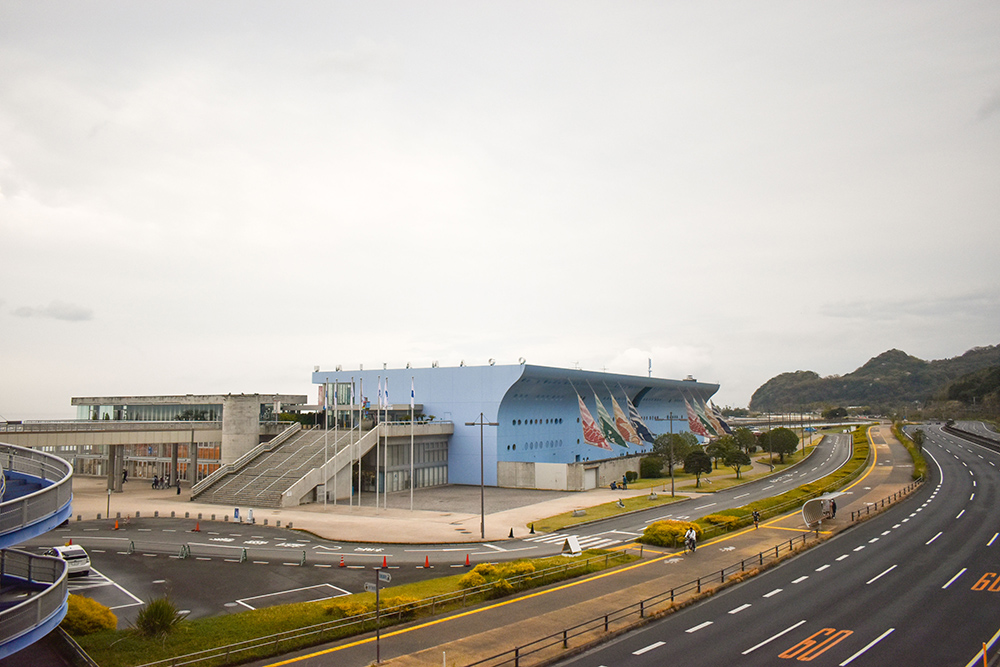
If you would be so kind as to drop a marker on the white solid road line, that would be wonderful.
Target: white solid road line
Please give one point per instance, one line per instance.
(772, 638)
(872, 643)
(648, 648)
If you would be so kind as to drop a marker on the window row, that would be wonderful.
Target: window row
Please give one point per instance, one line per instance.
(536, 422)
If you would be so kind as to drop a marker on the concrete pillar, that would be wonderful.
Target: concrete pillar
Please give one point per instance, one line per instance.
(192, 475)
(175, 471)
(116, 461)
(240, 426)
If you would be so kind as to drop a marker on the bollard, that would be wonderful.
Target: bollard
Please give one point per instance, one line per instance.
(277, 523)
(303, 561)
(171, 514)
(289, 526)
(118, 515)
(265, 521)
(137, 514)
(199, 516)
(187, 515)
(98, 516)
(243, 556)
(131, 547)
(156, 513)
(213, 517)
(79, 517)
(225, 518)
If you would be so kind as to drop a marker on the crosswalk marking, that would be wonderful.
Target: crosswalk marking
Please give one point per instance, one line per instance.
(586, 542)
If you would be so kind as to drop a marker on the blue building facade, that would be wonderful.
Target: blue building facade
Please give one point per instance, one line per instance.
(535, 409)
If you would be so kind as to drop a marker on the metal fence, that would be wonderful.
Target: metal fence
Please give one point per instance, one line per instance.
(57, 491)
(42, 575)
(599, 626)
(353, 625)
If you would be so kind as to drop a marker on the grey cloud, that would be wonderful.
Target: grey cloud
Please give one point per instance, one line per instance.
(974, 305)
(991, 107)
(57, 310)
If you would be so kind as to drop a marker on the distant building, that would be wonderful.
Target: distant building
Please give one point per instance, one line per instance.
(188, 436)
(537, 440)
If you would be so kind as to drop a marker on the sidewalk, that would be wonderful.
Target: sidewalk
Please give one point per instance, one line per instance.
(441, 515)
(474, 634)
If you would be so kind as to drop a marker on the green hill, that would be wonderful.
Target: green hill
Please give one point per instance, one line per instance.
(891, 380)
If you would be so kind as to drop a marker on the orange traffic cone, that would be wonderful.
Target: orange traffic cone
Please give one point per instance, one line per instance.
(342, 562)
(427, 562)
(384, 562)
(197, 526)
(467, 564)
(69, 542)
(116, 524)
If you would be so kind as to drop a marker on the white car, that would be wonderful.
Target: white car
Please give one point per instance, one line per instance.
(77, 560)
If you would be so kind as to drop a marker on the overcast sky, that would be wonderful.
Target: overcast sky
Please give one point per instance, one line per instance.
(204, 197)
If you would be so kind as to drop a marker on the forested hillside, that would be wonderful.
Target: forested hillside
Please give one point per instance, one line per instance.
(885, 383)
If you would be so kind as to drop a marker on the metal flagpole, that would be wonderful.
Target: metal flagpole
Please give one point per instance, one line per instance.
(385, 451)
(411, 443)
(378, 437)
(326, 437)
(361, 400)
(336, 439)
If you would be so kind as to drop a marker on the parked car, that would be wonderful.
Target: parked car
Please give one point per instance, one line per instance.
(77, 560)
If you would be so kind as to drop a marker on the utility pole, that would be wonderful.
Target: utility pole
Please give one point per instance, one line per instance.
(482, 472)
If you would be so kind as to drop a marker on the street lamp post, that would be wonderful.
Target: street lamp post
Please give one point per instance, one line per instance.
(482, 472)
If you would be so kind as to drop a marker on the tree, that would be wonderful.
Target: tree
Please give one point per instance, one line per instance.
(718, 448)
(745, 439)
(697, 463)
(918, 438)
(673, 448)
(736, 458)
(835, 413)
(781, 441)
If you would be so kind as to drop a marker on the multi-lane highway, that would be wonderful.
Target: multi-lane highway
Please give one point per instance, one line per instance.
(142, 559)
(918, 585)
(832, 453)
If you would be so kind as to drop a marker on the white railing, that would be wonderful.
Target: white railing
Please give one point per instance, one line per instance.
(338, 461)
(242, 462)
(56, 493)
(30, 570)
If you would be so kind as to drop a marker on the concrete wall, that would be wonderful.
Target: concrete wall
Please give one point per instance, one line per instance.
(562, 476)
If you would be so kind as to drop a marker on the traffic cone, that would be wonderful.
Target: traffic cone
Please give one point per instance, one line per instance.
(511, 533)
(197, 526)
(532, 529)
(385, 563)
(116, 524)
(427, 562)
(342, 562)
(467, 564)
(69, 543)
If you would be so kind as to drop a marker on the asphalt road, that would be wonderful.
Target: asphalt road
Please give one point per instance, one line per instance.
(911, 586)
(232, 567)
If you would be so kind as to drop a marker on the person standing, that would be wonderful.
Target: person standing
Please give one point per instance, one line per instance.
(756, 518)
(833, 509)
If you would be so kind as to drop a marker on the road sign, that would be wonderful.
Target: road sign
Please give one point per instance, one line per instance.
(369, 587)
(385, 577)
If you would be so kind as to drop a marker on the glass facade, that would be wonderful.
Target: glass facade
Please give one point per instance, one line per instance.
(152, 413)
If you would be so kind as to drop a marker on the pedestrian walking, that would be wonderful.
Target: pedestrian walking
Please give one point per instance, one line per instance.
(156, 481)
(756, 518)
(833, 509)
